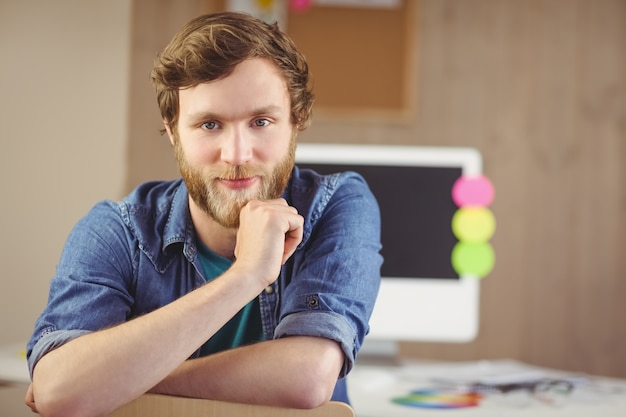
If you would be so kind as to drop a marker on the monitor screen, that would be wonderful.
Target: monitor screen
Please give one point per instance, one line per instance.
(421, 297)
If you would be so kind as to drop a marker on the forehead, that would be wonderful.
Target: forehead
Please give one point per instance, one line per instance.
(254, 84)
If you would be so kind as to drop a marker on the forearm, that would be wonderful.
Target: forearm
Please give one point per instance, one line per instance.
(96, 373)
(295, 371)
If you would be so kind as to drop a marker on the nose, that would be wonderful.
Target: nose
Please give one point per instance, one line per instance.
(236, 147)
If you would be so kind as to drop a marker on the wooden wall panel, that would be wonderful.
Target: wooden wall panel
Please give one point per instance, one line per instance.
(539, 87)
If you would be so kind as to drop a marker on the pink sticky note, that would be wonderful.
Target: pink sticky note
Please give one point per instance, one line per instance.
(473, 191)
(301, 5)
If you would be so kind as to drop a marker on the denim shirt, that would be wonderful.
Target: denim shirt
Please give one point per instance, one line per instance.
(126, 259)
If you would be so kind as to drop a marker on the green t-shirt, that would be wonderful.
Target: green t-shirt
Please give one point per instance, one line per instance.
(245, 327)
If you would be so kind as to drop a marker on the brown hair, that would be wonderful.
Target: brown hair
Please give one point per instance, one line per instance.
(209, 47)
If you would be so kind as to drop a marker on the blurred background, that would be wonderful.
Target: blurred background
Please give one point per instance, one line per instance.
(537, 86)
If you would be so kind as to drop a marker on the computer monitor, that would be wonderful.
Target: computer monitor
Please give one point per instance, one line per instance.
(421, 296)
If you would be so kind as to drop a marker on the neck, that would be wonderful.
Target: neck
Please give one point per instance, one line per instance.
(216, 237)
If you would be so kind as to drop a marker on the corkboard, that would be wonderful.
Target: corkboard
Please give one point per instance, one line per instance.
(362, 59)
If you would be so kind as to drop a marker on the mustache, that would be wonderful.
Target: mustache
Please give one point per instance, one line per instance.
(237, 173)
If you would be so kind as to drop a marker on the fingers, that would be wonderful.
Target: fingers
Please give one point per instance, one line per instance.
(269, 233)
(293, 237)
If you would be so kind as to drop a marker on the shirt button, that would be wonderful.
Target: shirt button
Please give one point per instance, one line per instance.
(269, 289)
(313, 302)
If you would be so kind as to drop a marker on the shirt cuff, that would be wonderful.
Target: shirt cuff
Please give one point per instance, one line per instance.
(324, 324)
(48, 343)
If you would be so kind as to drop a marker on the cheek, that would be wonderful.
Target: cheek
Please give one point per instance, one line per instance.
(277, 145)
(199, 152)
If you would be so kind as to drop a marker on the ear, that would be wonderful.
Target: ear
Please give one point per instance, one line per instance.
(168, 129)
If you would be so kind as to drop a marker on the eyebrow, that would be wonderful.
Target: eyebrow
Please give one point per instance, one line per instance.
(207, 115)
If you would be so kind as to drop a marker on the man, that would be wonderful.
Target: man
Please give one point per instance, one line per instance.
(249, 280)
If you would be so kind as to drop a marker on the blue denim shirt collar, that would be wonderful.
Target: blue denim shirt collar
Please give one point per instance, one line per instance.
(170, 226)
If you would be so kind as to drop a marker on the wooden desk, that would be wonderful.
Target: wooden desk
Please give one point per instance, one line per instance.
(371, 388)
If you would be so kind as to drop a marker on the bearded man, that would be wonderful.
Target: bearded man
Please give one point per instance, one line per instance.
(247, 280)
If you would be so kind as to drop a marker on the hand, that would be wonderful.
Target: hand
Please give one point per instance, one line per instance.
(29, 400)
(269, 233)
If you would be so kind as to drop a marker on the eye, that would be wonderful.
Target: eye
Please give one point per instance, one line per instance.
(261, 122)
(212, 125)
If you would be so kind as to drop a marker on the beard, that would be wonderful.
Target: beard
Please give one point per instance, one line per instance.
(223, 205)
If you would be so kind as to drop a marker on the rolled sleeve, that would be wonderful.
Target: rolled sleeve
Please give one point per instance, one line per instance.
(326, 324)
(48, 342)
(330, 285)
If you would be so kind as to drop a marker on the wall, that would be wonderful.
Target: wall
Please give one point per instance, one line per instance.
(539, 87)
(64, 82)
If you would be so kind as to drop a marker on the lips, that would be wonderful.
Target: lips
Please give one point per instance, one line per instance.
(239, 183)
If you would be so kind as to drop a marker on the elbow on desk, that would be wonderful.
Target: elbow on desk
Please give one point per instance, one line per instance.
(312, 387)
(314, 376)
(307, 397)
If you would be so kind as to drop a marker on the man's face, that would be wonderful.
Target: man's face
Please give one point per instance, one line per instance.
(235, 141)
